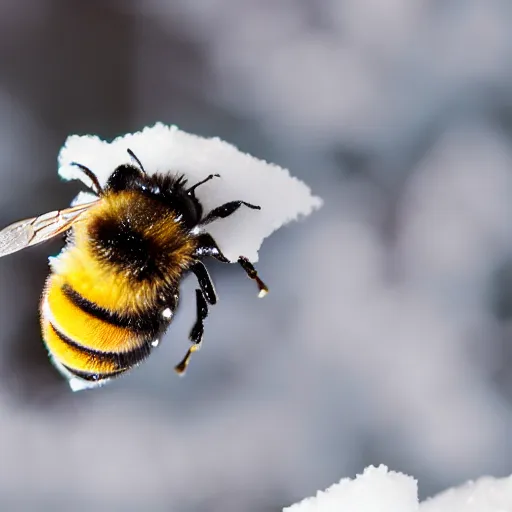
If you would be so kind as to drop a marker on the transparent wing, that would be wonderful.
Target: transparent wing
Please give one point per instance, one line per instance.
(25, 233)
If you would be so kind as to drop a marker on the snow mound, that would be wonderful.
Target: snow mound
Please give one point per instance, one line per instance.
(380, 490)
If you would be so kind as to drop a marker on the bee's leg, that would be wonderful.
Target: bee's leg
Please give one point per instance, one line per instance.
(206, 294)
(182, 366)
(207, 246)
(253, 274)
(225, 210)
(205, 282)
(191, 190)
(196, 334)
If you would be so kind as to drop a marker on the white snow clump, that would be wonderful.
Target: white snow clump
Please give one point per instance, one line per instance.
(380, 490)
(376, 490)
(163, 148)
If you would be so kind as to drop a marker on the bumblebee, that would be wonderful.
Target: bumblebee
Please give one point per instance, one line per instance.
(114, 289)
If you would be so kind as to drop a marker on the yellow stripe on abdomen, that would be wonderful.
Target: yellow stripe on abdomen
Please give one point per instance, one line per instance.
(84, 328)
(74, 357)
(101, 284)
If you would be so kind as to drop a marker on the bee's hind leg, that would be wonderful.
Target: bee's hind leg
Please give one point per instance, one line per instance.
(204, 294)
(205, 282)
(196, 334)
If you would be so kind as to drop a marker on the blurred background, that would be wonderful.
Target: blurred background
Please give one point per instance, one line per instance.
(387, 335)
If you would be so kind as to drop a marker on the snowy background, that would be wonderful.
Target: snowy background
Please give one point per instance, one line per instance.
(387, 335)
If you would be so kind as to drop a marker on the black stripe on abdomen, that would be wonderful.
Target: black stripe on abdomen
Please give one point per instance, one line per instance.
(146, 325)
(120, 360)
(92, 377)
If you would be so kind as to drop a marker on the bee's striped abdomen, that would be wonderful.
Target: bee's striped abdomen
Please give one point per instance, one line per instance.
(87, 364)
(114, 288)
(91, 342)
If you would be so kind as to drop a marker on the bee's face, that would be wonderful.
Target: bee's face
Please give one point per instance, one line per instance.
(170, 191)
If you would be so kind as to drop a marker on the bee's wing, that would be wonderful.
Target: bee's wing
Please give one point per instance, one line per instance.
(25, 233)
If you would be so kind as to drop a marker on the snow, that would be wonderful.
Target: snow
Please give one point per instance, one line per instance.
(485, 495)
(381, 490)
(162, 148)
(376, 490)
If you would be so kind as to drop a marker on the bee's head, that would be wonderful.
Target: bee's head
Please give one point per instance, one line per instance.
(167, 188)
(126, 177)
(171, 189)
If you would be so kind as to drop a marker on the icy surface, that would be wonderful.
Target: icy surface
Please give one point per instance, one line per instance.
(162, 148)
(380, 490)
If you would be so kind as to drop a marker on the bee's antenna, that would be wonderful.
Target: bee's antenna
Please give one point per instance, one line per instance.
(132, 154)
(91, 176)
(208, 178)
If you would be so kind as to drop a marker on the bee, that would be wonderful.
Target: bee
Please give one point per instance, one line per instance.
(113, 291)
